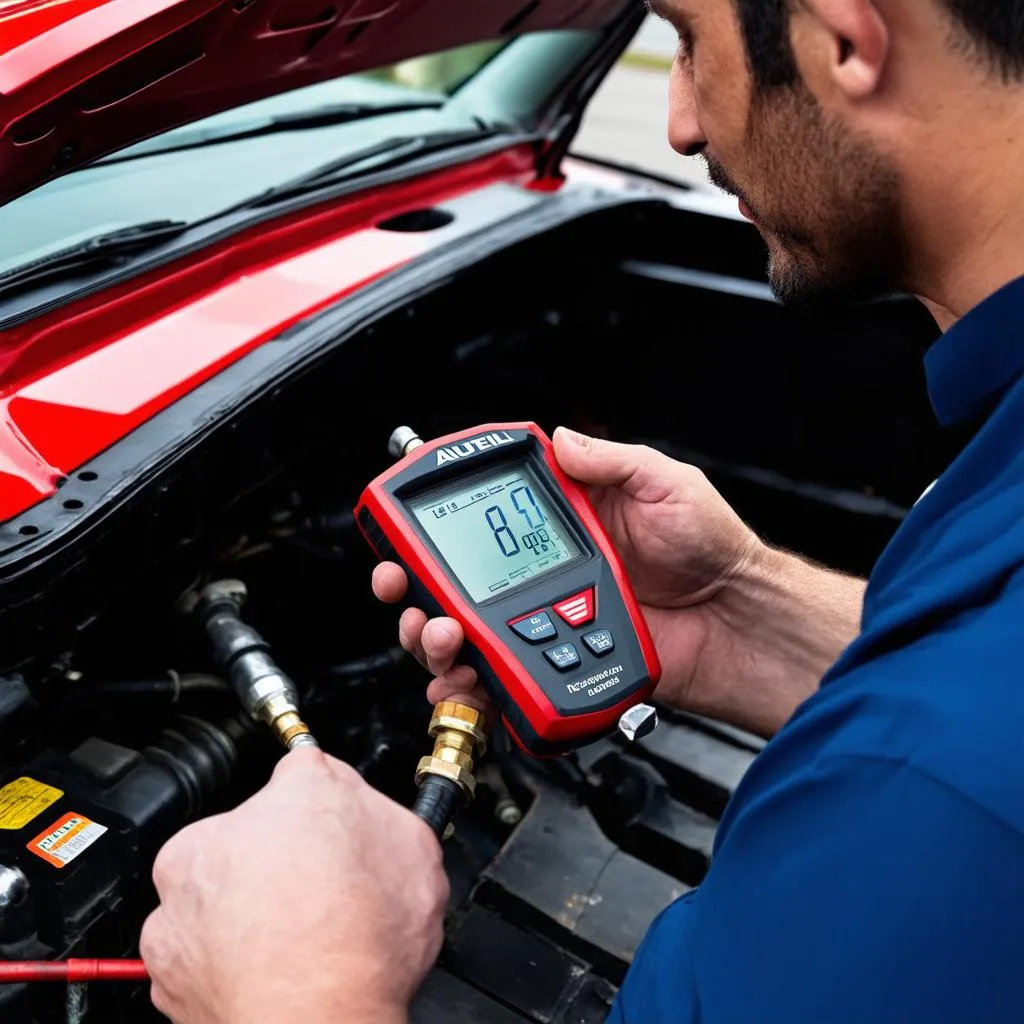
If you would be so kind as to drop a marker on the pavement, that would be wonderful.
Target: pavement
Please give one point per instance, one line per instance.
(656, 37)
(627, 120)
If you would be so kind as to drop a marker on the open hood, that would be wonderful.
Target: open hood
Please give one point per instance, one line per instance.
(82, 78)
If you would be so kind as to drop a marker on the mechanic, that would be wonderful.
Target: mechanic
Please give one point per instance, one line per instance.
(870, 866)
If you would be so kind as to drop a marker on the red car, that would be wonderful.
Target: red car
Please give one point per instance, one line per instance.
(240, 242)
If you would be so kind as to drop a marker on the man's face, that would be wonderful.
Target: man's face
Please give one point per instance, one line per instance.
(824, 198)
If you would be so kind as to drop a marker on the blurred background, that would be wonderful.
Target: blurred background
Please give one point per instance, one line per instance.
(625, 122)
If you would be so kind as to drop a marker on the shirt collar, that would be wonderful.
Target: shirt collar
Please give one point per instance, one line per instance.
(979, 357)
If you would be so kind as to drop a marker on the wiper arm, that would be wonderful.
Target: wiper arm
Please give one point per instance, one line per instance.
(388, 153)
(300, 120)
(98, 252)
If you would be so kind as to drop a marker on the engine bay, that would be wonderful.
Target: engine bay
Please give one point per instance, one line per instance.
(815, 426)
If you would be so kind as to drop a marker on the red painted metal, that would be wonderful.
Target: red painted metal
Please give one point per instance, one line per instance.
(71, 971)
(80, 78)
(77, 380)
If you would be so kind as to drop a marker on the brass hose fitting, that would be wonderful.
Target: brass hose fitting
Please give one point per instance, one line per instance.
(289, 728)
(445, 778)
(459, 738)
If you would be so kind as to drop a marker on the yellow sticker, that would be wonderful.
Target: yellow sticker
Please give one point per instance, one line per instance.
(24, 799)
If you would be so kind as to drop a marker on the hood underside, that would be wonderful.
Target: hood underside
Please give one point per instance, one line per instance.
(82, 78)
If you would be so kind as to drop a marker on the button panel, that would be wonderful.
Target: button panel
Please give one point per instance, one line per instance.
(578, 609)
(534, 627)
(563, 656)
(600, 641)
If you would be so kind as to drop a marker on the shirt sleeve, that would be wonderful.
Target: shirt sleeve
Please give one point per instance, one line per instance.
(861, 890)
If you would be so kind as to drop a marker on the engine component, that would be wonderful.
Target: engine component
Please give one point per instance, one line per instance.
(16, 708)
(446, 777)
(80, 830)
(266, 693)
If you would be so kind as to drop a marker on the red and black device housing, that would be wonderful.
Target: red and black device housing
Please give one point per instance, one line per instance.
(547, 709)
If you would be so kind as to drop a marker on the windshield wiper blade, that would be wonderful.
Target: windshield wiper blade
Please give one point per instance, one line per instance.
(380, 156)
(99, 252)
(297, 121)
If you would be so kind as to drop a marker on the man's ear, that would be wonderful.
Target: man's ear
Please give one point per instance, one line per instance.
(859, 42)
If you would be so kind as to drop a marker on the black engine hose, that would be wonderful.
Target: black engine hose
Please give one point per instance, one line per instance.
(167, 689)
(437, 801)
(384, 661)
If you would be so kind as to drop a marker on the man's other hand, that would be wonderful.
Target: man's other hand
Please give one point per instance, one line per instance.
(317, 899)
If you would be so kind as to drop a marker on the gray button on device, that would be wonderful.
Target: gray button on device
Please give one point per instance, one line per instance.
(535, 628)
(563, 657)
(599, 641)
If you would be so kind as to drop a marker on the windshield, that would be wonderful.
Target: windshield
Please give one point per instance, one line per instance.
(193, 172)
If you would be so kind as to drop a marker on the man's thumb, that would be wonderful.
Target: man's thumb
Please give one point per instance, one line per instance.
(594, 461)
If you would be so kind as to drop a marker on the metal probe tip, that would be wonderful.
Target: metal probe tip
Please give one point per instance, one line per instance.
(402, 441)
(639, 721)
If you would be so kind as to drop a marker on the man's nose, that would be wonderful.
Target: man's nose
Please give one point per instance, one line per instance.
(684, 131)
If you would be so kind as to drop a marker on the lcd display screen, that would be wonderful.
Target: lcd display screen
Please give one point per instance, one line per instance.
(496, 531)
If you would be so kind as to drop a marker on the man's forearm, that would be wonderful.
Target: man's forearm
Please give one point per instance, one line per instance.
(791, 620)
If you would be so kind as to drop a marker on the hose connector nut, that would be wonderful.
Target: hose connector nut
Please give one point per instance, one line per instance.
(460, 736)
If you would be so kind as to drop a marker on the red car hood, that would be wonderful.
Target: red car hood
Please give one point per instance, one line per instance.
(81, 78)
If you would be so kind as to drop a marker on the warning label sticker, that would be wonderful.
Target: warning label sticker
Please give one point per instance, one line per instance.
(64, 840)
(25, 799)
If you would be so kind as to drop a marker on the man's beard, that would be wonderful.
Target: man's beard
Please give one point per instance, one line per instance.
(830, 211)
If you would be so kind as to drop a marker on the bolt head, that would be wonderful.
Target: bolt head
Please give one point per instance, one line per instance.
(639, 721)
(508, 812)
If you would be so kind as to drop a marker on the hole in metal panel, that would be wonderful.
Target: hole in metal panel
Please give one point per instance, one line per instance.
(88, 476)
(132, 75)
(429, 219)
(28, 531)
(73, 503)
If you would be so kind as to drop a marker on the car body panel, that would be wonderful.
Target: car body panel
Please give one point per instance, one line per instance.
(81, 79)
(75, 381)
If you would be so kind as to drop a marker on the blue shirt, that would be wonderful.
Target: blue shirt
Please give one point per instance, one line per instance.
(870, 866)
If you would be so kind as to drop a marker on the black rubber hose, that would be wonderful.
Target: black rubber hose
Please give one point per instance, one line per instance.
(375, 664)
(164, 689)
(438, 798)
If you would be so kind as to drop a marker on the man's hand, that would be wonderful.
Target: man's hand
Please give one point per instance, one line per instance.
(744, 632)
(317, 900)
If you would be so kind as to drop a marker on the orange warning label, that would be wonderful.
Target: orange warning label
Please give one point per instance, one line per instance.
(65, 839)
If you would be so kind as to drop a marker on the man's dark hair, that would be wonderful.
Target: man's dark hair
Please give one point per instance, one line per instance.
(992, 29)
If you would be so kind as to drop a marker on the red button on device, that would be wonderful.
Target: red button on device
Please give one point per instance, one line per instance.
(577, 610)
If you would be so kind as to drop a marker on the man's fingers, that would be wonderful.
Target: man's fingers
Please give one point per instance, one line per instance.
(442, 641)
(641, 472)
(410, 629)
(459, 683)
(300, 761)
(390, 583)
(149, 941)
(344, 773)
